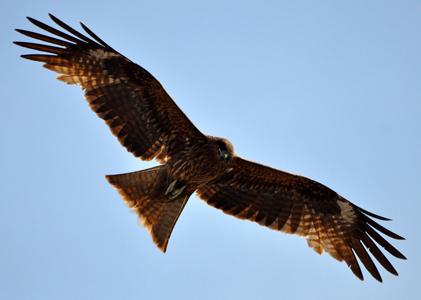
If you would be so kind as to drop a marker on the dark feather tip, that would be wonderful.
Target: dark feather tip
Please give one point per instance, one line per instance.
(32, 20)
(27, 56)
(368, 213)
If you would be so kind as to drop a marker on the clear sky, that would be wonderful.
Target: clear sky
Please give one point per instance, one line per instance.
(327, 89)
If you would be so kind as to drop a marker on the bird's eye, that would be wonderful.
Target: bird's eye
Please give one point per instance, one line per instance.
(223, 154)
(222, 150)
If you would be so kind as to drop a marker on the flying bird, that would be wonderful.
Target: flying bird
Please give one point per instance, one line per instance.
(150, 125)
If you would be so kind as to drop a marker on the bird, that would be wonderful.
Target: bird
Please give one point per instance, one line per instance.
(150, 125)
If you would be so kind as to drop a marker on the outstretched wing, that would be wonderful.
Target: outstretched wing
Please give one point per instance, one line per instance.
(295, 204)
(130, 100)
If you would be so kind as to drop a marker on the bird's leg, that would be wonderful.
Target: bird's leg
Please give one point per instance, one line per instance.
(174, 189)
(170, 187)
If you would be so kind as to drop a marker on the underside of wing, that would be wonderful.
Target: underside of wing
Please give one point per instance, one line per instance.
(298, 205)
(127, 97)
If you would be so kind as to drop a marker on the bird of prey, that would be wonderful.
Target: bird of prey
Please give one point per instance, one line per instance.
(149, 124)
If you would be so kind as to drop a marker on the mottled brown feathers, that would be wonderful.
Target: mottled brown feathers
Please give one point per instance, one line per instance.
(127, 97)
(298, 205)
(149, 124)
(156, 213)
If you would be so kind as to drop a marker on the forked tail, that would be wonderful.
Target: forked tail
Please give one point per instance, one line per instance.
(156, 212)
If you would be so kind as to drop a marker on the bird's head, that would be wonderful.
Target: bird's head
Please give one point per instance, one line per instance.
(225, 148)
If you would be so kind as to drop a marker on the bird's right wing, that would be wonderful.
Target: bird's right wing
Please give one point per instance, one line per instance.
(295, 204)
(131, 101)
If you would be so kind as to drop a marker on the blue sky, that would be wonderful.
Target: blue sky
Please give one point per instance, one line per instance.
(326, 89)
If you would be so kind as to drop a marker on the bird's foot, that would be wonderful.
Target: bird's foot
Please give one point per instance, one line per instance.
(175, 189)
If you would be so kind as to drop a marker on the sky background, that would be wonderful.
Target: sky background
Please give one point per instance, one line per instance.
(327, 89)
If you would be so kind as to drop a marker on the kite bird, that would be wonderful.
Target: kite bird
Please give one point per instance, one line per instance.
(149, 124)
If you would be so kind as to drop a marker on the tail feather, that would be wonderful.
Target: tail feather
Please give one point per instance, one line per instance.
(156, 212)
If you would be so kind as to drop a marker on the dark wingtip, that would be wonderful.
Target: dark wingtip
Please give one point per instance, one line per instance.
(377, 276)
(358, 273)
(383, 229)
(32, 20)
(52, 17)
(373, 215)
(95, 37)
(360, 277)
(397, 237)
(20, 44)
(26, 56)
(393, 272)
(38, 57)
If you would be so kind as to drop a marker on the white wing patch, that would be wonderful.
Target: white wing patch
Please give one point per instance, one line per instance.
(101, 54)
(347, 211)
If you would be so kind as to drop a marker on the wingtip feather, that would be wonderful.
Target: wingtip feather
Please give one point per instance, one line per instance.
(32, 20)
(373, 215)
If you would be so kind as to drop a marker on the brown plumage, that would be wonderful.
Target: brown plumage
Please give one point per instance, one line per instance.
(150, 125)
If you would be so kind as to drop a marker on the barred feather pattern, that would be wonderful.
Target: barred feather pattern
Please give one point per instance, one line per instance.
(298, 205)
(128, 98)
(156, 213)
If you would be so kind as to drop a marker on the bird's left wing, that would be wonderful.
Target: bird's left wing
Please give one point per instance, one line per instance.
(127, 97)
(298, 205)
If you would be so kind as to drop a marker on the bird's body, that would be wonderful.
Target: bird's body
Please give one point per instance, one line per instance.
(199, 164)
(150, 125)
